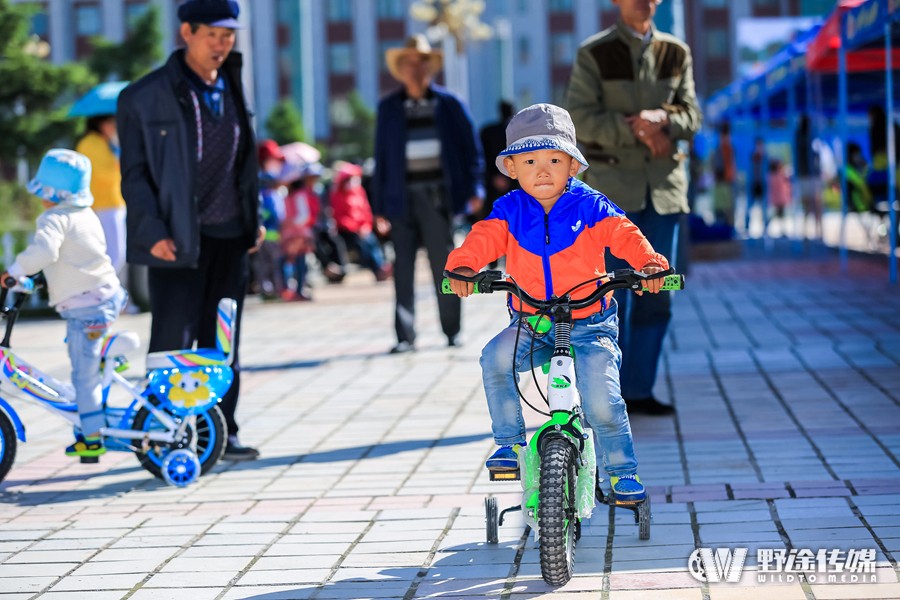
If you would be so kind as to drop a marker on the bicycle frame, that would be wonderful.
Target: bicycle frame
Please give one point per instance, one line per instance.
(37, 387)
(566, 418)
(566, 421)
(33, 385)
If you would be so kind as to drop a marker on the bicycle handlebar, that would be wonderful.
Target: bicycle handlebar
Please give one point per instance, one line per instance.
(22, 285)
(487, 282)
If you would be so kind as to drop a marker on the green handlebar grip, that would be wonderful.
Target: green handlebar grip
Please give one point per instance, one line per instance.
(445, 287)
(672, 282)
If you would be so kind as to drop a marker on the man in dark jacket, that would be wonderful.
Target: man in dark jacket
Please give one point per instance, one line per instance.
(428, 169)
(189, 178)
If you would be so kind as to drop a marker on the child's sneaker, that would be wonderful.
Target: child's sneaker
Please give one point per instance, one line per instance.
(627, 488)
(505, 458)
(90, 447)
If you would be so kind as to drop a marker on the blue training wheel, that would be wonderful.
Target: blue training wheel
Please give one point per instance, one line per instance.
(180, 468)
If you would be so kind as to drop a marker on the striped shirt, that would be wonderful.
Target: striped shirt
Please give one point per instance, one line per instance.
(423, 144)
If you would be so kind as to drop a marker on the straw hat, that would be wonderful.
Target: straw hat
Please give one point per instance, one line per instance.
(415, 45)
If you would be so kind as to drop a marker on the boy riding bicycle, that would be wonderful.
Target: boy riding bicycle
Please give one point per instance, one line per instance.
(70, 249)
(554, 232)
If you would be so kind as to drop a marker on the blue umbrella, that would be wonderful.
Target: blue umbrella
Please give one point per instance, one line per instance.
(101, 100)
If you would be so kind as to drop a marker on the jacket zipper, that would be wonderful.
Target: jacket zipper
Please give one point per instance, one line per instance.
(548, 278)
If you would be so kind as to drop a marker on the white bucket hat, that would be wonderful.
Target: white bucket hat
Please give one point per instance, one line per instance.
(541, 127)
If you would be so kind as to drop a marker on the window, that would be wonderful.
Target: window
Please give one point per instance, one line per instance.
(717, 43)
(383, 47)
(524, 49)
(87, 20)
(340, 59)
(562, 48)
(391, 9)
(133, 12)
(40, 25)
(560, 5)
(339, 10)
(816, 7)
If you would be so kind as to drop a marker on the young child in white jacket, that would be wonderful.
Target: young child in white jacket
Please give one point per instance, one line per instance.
(69, 247)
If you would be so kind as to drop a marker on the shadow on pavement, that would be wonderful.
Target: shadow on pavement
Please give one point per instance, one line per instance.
(439, 580)
(357, 452)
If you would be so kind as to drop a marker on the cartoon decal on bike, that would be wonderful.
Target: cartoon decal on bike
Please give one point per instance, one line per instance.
(558, 467)
(173, 423)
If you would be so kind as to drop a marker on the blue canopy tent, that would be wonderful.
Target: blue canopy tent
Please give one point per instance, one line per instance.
(873, 25)
(779, 91)
(810, 75)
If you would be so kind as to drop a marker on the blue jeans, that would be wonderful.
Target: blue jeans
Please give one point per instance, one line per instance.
(85, 329)
(597, 361)
(645, 319)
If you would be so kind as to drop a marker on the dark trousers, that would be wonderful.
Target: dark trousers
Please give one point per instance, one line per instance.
(428, 223)
(643, 320)
(183, 305)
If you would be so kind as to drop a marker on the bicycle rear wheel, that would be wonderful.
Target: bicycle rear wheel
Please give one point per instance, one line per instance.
(556, 512)
(209, 431)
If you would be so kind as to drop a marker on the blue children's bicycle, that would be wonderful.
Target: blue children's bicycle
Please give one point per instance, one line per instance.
(558, 467)
(173, 426)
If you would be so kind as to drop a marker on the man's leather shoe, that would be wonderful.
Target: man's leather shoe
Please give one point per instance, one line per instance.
(235, 451)
(402, 348)
(648, 406)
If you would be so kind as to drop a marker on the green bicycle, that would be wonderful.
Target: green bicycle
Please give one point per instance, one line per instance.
(558, 467)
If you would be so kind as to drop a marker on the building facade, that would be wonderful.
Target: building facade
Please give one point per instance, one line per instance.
(318, 52)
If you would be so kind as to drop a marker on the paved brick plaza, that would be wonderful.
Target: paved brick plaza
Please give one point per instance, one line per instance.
(785, 374)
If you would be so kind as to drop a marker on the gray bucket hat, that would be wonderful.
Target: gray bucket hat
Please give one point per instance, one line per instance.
(541, 127)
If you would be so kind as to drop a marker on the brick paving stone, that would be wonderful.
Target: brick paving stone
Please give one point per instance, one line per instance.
(373, 486)
(680, 594)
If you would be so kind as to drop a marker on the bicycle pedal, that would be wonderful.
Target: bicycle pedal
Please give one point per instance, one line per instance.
(626, 503)
(90, 460)
(504, 474)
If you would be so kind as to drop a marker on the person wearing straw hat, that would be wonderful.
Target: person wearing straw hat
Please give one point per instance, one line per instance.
(191, 186)
(70, 249)
(428, 171)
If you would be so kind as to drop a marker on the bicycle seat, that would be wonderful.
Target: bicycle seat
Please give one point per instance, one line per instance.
(120, 344)
(202, 357)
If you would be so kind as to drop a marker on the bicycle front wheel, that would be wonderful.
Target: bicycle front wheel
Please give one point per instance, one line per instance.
(8, 444)
(556, 512)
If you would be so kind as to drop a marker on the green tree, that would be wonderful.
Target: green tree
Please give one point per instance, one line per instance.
(136, 56)
(354, 130)
(284, 123)
(35, 94)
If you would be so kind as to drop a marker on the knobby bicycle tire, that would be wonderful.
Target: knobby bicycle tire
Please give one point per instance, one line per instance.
(556, 512)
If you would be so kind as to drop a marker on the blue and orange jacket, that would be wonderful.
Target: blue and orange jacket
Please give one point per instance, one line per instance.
(550, 253)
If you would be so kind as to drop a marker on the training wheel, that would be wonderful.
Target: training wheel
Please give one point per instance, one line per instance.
(644, 519)
(491, 520)
(180, 468)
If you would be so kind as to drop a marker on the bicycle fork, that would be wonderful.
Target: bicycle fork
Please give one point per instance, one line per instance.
(561, 392)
